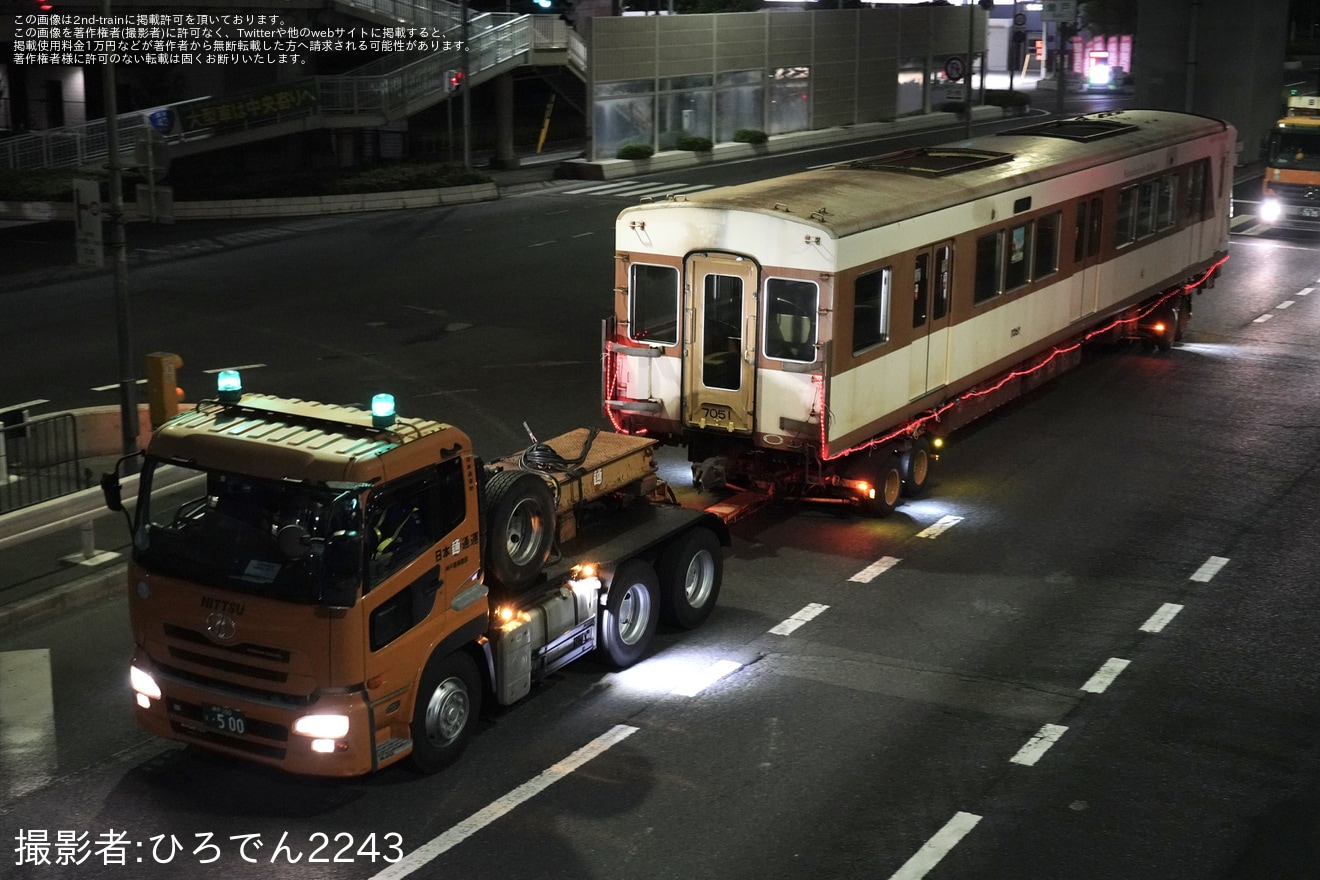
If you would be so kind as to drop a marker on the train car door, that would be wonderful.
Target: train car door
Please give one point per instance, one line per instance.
(1086, 256)
(719, 345)
(932, 287)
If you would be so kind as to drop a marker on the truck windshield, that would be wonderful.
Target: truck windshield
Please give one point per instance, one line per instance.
(283, 540)
(1295, 149)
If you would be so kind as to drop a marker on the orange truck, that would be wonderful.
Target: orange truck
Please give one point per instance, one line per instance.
(330, 590)
(1291, 191)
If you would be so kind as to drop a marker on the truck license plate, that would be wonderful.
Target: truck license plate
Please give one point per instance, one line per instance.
(1311, 212)
(225, 720)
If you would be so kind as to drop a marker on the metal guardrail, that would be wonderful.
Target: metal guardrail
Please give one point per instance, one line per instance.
(372, 95)
(39, 461)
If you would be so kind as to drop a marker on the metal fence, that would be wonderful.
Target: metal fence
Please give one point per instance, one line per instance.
(39, 461)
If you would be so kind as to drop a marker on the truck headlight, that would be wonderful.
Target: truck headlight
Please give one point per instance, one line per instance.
(143, 683)
(322, 726)
(1270, 210)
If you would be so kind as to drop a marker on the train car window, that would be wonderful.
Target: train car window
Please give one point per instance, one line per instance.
(1194, 202)
(1146, 200)
(943, 282)
(1126, 223)
(790, 319)
(871, 309)
(1079, 240)
(721, 338)
(1097, 225)
(1017, 271)
(1167, 186)
(988, 249)
(920, 289)
(1046, 248)
(653, 303)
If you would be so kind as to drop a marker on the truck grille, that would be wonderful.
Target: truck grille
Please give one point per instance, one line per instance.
(1297, 192)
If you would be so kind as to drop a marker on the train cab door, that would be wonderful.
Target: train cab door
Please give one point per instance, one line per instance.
(719, 344)
(932, 289)
(1086, 256)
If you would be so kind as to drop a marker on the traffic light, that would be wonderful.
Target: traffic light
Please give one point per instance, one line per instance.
(163, 392)
(453, 81)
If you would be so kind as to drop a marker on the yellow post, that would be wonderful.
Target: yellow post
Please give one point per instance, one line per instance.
(545, 126)
(163, 392)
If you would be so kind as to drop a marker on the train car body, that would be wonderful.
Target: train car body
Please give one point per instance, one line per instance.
(807, 335)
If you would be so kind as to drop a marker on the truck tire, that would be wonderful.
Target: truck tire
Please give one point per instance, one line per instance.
(448, 705)
(691, 570)
(915, 465)
(885, 476)
(520, 528)
(628, 623)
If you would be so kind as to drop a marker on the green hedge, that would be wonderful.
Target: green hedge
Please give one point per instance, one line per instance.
(634, 151)
(750, 136)
(694, 143)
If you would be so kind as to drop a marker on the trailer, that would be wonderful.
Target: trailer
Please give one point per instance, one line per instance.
(337, 589)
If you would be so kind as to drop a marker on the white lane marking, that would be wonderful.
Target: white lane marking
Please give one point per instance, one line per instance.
(543, 243)
(116, 385)
(427, 852)
(937, 847)
(27, 721)
(942, 525)
(1105, 675)
(1263, 318)
(25, 404)
(1038, 745)
(706, 677)
(583, 234)
(1161, 618)
(874, 570)
(1305, 291)
(240, 368)
(596, 188)
(797, 619)
(1209, 568)
(1285, 304)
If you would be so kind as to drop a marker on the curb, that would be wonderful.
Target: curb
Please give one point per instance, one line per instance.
(66, 597)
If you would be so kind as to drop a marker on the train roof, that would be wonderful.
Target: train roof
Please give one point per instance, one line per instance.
(863, 194)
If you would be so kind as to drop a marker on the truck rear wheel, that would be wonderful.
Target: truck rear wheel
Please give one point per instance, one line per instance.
(629, 620)
(915, 464)
(691, 569)
(446, 711)
(520, 528)
(885, 479)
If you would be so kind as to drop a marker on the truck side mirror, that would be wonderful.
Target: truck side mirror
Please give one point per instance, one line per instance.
(113, 492)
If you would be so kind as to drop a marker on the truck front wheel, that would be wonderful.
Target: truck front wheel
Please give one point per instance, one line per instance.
(691, 569)
(629, 621)
(448, 703)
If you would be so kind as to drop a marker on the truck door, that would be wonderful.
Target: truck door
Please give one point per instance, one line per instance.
(1086, 256)
(719, 345)
(932, 280)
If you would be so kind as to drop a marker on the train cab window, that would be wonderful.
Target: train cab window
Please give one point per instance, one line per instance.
(943, 282)
(871, 309)
(1017, 270)
(1046, 249)
(1125, 225)
(1164, 201)
(920, 289)
(790, 319)
(653, 303)
(721, 333)
(988, 250)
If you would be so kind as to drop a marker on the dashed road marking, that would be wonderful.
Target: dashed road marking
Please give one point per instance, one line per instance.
(1038, 745)
(1286, 304)
(795, 620)
(935, 849)
(942, 525)
(1105, 675)
(874, 570)
(1209, 568)
(706, 677)
(1263, 318)
(1160, 619)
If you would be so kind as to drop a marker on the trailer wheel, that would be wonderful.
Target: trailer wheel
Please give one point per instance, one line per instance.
(520, 528)
(915, 465)
(446, 711)
(691, 570)
(629, 620)
(886, 479)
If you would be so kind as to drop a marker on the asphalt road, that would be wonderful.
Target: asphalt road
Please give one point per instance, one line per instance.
(1089, 654)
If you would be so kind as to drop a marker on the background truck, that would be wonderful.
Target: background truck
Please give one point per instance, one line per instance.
(1291, 190)
(337, 589)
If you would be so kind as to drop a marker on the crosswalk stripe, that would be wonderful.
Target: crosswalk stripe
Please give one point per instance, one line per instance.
(27, 721)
